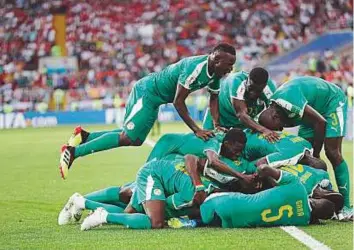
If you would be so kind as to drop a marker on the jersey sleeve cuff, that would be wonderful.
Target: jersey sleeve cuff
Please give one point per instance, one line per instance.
(280, 177)
(215, 91)
(184, 86)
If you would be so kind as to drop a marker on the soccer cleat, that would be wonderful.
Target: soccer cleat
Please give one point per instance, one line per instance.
(181, 223)
(78, 137)
(72, 209)
(94, 220)
(346, 214)
(66, 159)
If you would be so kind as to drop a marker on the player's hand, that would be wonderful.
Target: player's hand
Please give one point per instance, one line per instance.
(270, 135)
(204, 134)
(249, 179)
(222, 129)
(199, 197)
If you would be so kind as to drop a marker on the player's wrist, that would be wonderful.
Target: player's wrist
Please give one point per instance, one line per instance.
(199, 188)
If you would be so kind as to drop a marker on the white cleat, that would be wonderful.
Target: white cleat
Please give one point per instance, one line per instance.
(96, 219)
(72, 209)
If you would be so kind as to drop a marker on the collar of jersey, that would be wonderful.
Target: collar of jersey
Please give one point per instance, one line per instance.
(207, 71)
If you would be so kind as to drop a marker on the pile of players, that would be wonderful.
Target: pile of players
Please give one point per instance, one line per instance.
(240, 169)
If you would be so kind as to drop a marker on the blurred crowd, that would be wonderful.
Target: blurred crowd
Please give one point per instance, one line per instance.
(117, 42)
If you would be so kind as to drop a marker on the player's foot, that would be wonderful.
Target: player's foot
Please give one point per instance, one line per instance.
(94, 220)
(346, 214)
(66, 159)
(72, 209)
(181, 223)
(78, 137)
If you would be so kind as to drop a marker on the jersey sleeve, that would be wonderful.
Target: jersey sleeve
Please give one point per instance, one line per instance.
(286, 178)
(189, 74)
(211, 145)
(293, 102)
(214, 85)
(268, 91)
(238, 89)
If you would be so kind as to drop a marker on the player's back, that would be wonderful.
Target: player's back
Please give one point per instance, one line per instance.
(257, 146)
(286, 204)
(317, 92)
(163, 84)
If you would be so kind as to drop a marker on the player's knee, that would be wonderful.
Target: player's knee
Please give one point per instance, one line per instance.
(157, 224)
(333, 155)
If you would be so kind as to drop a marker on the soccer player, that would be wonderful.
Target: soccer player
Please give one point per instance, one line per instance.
(172, 85)
(159, 184)
(320, 108)
(288, 150)
(228, 145)
(242, 97)
(285, 204)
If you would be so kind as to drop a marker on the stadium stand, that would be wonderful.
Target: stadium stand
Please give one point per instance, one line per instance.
(115, 47)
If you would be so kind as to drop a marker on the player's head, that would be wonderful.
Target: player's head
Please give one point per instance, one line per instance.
(233, 143)
(336, 198)
(256, 82)
(272, 118)
(223, 57)
(321, 209)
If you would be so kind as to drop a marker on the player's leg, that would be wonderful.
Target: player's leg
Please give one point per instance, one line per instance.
(333, 149)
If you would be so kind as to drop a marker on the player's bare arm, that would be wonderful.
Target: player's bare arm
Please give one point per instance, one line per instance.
(180, 105)
(240, 107)
(214, 110)
(221, 167)
(192, 163)
(311, 116)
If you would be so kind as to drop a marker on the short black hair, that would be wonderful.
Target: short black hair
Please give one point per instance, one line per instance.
(259, 75)
(322, 209)
(225, 47)
(235, 135)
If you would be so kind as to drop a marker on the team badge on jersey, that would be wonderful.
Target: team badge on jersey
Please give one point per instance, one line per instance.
(157, 191)
(130, 125)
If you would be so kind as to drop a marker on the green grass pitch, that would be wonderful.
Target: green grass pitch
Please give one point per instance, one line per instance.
(32, 194)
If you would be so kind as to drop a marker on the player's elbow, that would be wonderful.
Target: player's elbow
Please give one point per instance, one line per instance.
(157, 224)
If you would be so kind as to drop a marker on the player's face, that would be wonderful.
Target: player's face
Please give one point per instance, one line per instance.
(223, 63)
(235, 149)
(253, 90)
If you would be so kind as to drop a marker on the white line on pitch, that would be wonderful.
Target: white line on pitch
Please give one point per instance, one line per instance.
(293, 231)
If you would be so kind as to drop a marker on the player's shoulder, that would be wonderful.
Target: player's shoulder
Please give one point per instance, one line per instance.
(194, 60)
(236, 78)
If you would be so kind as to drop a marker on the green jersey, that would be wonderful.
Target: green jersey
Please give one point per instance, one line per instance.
(309, 177)
(184, 144)
(295, 94)
(191, 73)
(287, 151)
(285, 204)
(241, 165)
(234, 87)
(167, 181)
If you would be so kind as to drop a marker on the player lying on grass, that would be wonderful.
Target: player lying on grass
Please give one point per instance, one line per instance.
(288, 150)
(242, 97)
(285, 204)
(171, 85)
(320, 108)
(161, 185)
(228, 145)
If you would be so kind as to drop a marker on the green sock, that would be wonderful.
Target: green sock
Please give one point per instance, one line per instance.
(134, 221)
(342, 177)
(107, 195)
(93, 205)
(94, 135)
(104, 142)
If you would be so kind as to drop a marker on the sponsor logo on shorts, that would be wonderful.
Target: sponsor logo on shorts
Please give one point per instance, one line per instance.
(157, 191)
(130, 125)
